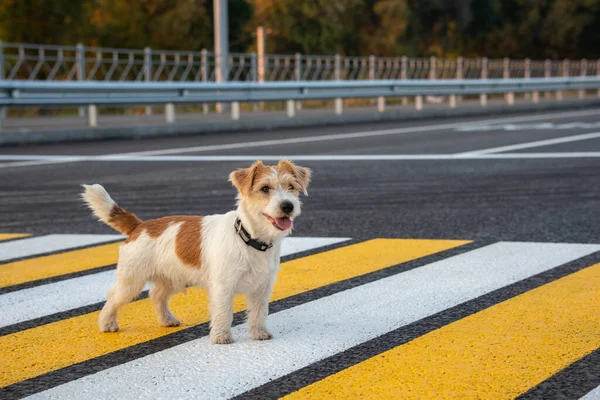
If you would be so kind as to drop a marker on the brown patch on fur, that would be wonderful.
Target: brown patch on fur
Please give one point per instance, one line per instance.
(301, 174)
(187, 242)
(123, 221)
(244, 178)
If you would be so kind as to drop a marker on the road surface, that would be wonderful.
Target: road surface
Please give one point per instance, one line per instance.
(449, 258)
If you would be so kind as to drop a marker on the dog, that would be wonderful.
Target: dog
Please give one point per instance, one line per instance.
(228, 254)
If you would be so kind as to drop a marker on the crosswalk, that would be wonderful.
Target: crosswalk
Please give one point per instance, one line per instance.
(378, 318)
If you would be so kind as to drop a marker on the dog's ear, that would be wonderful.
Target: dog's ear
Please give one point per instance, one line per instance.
(243, 178)
(301, 174)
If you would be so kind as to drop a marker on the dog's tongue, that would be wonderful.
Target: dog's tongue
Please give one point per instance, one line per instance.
(283, 223)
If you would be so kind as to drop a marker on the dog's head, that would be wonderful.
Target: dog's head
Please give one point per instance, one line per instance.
(269, 195)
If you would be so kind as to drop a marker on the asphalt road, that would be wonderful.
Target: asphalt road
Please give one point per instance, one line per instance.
(550, 199)
(457, 186)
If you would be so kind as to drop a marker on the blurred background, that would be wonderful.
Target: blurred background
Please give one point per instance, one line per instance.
(414, 28)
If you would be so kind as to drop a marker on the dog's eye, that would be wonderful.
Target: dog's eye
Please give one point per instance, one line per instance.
(291, 187)
(265, 189)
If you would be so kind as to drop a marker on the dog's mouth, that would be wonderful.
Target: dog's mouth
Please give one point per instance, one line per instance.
(282, 223)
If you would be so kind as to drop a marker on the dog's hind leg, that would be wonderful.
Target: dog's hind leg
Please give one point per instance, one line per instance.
(160, 294)
(120, 294)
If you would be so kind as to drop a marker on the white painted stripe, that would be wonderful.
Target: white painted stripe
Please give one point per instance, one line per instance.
(313, 331)
(17, 157)
(593, 395)
(40, 161)
(528, 127)
(342, 136)
(49, 243)
(353, 157)
(332, 157)
(353, 135)
(43, 300)
(537, 143)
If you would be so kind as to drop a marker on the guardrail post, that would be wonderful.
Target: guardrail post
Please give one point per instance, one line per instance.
(372, 61)
(235, 110)
(432, 75)
(291, 104)
(510, 97)
(419, 103)
(92, 115)
(170, 113)
(291, 108)
(565, 74)
(204, 74)
(148, 72)
(380, 99)
(583, 65)
(535, 96)
(484, 75)
(2, 76)
(459, 75)
(80, 68)
(298, 75)
(404, 75)
(547, 74)
(338, 102)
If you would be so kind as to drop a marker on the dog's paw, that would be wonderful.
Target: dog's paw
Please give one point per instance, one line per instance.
(110, 326)
(171, 321)
(261, 335)
(223, 338)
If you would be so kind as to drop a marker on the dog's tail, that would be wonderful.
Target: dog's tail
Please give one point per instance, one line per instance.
(109, 212)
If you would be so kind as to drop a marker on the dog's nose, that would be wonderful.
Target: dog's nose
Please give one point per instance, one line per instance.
(287, 207)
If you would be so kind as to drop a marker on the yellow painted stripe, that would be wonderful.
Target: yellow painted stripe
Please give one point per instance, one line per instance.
(7, 236)
(58, 264)
(50, 347)
(498, 353)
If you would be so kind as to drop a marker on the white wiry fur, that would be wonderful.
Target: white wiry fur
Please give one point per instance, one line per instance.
(228, 265)
(99, 201)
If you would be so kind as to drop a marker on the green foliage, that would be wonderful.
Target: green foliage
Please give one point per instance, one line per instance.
(445, 28)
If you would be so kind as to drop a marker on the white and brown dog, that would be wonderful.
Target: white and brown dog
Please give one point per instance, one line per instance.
(228, 254)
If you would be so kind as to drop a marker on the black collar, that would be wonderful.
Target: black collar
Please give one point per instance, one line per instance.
(261, 246)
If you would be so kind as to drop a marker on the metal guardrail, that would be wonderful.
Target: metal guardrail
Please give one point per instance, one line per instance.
(77, 63)
(50, 63)
(37, 93)
(19, 93)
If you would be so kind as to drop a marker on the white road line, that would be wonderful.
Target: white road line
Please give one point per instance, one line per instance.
(337, 157)
(342, 136)
(352, 135)
(537, 143)
(313, 331)
(44, 244)
(593, 395)
(40, 161)
(36, 302)
(528, 127)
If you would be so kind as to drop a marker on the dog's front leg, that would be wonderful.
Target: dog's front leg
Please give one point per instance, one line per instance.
(221, 314)
(258, 309)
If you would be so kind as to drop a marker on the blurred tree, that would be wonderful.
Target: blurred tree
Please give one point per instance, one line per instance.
(445, 28)
(168, 24)
(42, 21)
(165, 24)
